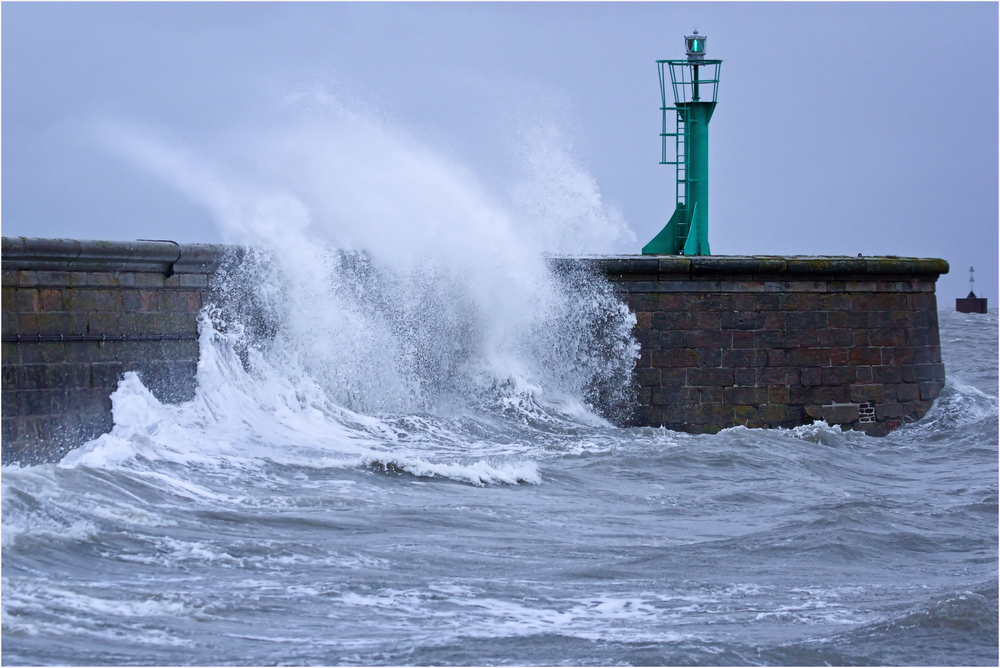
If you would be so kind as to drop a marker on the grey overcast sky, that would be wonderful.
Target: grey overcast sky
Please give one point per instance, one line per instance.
(842, 128)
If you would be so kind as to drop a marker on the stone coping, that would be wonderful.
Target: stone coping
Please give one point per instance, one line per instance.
(170, 257)
(166, 257)
(624, 265)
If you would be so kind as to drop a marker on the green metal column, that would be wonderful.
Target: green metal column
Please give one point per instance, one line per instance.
(698, 114)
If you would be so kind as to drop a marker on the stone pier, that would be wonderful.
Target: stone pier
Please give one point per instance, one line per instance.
(725, 341)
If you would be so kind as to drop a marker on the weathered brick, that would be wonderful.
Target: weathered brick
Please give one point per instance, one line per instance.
(814, 411)
(841, 413)
(887, 374)
(646, 338)
(744, 339)
(919, 336)
(66, 376)
(839, 356)
(10, 406)
(840, 375)
(920, 302)
(715, 415)
(765, 339)
(892, 319)
(774, 319)
(848, 319)
(779, 394)
(742, 376)
(898, 355)
(643, 320)
(863, 393)
(666, 396)
(879, 302)
(102, 278)
(672, 320)
(9, 323)
(52, 278)
(916, 409)
(865, 374)
(779, 376)
(718, 377)
(864, 356)
(822, 394)
(193, 280)
(706, 320)
(836, 302)
(927, 372)
(149, 280)
(806, 320)
(9, 277)
(708, 338)
(750, 396)
(742, 321)
(907, 392)
(670, 339)
(710, 302)
(50, 299)
(779, 413)
(744, 357)
(801, 338)
(805, 286)
(887, 337)
(811, 377)
(927, 355)
(673, 377)
(767, 302)
(889, 409)
(647, 377)
(672, 302)
(806, 357)
(930, 391)
(709, 357)
(674, 358)
(747, 416)
(26, 278)
(711, 395)
(106, 375)
(175, 301)
(777, 357)
(836, 338)
(644, 396)
(26, 300)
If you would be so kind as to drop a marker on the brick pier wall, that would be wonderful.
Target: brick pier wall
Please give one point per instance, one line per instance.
(783, 341)
(76, 315)
(725, 341)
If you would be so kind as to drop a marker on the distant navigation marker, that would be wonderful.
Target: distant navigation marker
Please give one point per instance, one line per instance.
(972, 303)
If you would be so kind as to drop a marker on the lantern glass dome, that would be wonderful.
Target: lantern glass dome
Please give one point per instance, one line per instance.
(695, 45)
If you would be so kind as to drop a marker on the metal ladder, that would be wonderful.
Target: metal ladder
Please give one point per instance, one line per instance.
(680, 160)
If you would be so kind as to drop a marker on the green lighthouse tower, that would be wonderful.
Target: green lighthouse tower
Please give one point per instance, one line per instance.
(694, 84)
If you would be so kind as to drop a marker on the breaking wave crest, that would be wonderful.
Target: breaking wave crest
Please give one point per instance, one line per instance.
(383, 308)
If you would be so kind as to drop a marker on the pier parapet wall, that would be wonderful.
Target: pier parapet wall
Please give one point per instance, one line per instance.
(783, 341)
(725, 341)
(76, 316)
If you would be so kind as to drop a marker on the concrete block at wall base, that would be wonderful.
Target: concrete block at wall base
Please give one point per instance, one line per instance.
(840, 413)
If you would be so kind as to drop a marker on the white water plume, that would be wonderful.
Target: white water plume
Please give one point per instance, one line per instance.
(395, 280)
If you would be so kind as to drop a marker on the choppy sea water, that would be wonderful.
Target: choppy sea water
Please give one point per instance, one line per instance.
(247, 529)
